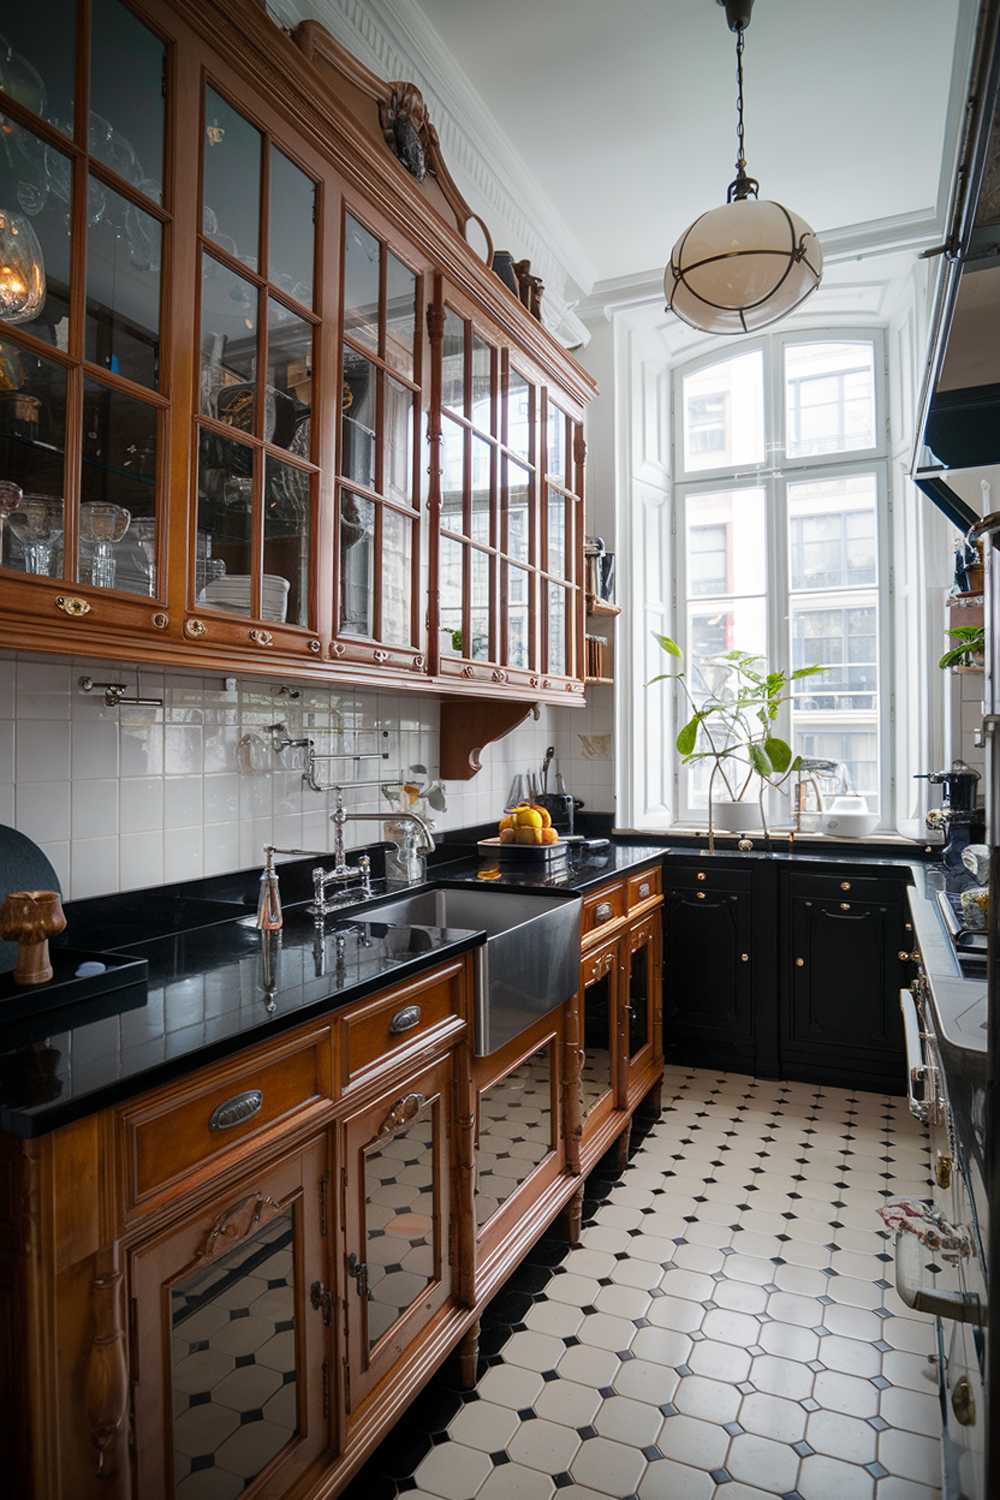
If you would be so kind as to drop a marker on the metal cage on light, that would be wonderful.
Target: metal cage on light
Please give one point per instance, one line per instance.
(748, 262)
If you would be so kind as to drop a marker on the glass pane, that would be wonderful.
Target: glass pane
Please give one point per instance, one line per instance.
(557, 629)
(400, 316)
(638, 999)
(482, 384)
(453, 362)
(361, 284)
(854, 751)
(481, 505)
(123, 292)
(726, 542)
(479, 600)
(225, 505)
(288, 393)
(32, 440)
(557, 534)
(228, 345)
(450, 559)
(357, 565)
(357, 398)
(519, 413)
(598, 1021)
(556, 445)
(35, 192)
(128, 70)
(397, 577)
(291, 228)
(453, 474)
(723, 408)
(829, 398)
(739, 624)
(118, 483)
(38, 63)
(832, 533)
(231, 207)
(287, 543)
(400, 1246)
(842, 636)
(397, 465)
(518, 511)
(515, 1132)
(518, 618)
(233, 1350)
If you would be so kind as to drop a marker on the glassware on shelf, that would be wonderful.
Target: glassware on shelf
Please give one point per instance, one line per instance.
(237, 492)
(143, 530)
(38, 526)
(20, 79)
(11, 498)
(102, 525)
(22, 269)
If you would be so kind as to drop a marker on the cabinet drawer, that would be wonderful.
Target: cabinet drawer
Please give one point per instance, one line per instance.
(846, 886)
(376, 1032)
(707, 878)
(598, 964)
(644, 886)
(604, 906)
(185, 1129)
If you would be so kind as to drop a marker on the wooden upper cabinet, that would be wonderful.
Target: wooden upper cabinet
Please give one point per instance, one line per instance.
(260, 401)
(87, 380)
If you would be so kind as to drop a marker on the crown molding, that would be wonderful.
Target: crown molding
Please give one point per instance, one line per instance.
(395, 39)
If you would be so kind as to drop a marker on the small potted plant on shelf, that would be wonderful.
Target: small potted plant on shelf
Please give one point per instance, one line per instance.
(733, 711)
(969, 651)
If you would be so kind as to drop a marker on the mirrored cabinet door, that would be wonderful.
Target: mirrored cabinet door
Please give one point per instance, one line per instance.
(600, 987)
(516, 1131)
(398, 1203)
(85, 227)
(379, 616)
(231, 1341)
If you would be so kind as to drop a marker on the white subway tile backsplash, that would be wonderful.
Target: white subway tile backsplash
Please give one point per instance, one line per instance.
(130, 797)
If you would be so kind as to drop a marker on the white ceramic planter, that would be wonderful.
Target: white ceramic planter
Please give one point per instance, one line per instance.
(736, 817)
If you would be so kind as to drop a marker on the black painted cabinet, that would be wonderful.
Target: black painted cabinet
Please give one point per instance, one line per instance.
(840, 989)
(707, 970)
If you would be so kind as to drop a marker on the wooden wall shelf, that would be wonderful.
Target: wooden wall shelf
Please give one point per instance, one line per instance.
(600, 609)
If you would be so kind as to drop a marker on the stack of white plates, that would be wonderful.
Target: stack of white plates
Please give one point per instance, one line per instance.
(233, 592)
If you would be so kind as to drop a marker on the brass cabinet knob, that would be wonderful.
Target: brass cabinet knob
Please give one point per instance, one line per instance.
(315, 647)
(845, 885)
(72, 606)
(800, 963)
(845, 906)
(161, 621)
(195, 628)
(700, 895)
(744, 958)
(700, 875)
(261, 637)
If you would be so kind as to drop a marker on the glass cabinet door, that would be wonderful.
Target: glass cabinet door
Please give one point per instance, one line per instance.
(378, 583)
(84, 232)
(600, 994)
(231, 1340)
(257, 484)
(562, 521)
(397, 1272)
(516, 1132)
(644, 990)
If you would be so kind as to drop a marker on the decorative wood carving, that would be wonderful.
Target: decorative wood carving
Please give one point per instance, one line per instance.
(530, 288)
(468, 725)
(236, 1222)
(107, 1373)
(404, 125)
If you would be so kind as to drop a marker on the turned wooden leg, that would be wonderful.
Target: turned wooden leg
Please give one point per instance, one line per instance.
(622, 1146)
(574, 1216)
(107, 1376)
(468, 1357)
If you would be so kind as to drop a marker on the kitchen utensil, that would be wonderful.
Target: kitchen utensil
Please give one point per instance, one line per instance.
(30, 918)
(546, 762)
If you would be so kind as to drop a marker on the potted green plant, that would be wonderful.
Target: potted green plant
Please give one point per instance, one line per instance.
(969, 651)
(733, 711)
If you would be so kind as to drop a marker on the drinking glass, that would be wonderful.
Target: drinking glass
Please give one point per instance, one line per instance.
(11, 498)
(103, 524)
(38, 526)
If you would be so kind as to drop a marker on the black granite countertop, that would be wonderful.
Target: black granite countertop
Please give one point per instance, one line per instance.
(958, 999)
(211, 992)
(583, 870)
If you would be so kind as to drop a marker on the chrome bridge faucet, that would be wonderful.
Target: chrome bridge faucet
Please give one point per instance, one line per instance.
(270, 917)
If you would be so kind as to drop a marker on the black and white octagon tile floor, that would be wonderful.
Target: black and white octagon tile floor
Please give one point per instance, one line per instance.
(728, 1329)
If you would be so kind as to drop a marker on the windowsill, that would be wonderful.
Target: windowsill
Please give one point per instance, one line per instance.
(691, 831)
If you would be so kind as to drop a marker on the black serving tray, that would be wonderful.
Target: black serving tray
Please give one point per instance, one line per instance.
(65, 988)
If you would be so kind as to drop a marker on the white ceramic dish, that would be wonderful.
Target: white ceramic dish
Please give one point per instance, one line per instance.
(849, 825)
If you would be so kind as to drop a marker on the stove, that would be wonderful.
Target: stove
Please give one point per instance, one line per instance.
(970, 947)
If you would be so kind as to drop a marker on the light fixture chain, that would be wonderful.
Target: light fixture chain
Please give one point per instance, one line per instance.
(741, 159)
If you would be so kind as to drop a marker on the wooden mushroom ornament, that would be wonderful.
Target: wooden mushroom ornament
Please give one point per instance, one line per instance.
(30, 919)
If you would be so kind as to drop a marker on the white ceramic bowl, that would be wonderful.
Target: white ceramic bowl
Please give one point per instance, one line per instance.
(849, 825)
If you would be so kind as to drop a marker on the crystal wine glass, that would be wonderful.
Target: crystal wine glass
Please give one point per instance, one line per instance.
(144, 531)
(11, 498)
(103, 524)
(38, 526)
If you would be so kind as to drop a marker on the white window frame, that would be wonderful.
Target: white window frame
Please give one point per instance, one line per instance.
(773, 476)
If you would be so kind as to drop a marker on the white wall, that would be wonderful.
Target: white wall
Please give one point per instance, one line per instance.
(131, 797)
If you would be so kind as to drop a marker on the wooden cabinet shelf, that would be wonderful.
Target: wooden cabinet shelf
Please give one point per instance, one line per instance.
(372, 474)
(600, 609)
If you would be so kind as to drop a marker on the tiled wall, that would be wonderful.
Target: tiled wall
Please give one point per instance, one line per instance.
(131, 797)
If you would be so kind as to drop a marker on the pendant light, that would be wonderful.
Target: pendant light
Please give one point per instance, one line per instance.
(748, 263)
(22, 269)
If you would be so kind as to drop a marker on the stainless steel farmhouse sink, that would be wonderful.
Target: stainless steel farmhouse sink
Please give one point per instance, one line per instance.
(531, 959)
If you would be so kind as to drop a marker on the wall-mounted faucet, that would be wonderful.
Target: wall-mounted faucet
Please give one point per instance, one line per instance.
(340, 817)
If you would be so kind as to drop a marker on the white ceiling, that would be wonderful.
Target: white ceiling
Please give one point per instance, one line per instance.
(623, 110)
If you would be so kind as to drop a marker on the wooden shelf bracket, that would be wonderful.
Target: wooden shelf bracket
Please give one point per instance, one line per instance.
(468, 726)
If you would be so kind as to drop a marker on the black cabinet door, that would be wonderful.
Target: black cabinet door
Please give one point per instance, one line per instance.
(843, 976)
(708, 1011)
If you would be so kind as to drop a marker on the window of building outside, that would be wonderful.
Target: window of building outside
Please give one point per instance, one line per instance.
(782, 543)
